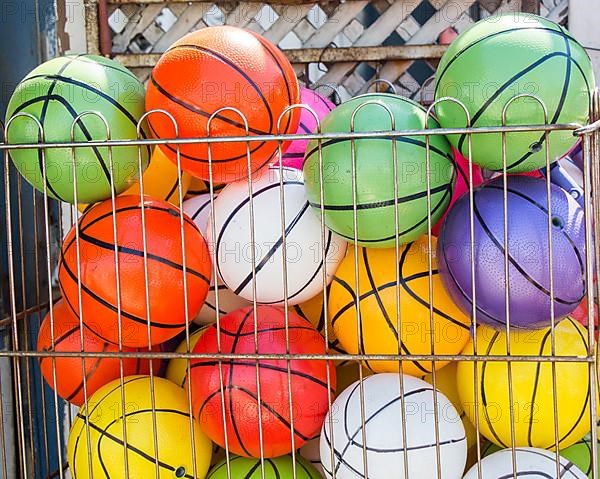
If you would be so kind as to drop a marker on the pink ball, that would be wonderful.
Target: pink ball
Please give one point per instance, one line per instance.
(462, 184)
(293, 155)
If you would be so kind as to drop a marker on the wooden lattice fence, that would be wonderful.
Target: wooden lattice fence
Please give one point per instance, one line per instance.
(347, 44)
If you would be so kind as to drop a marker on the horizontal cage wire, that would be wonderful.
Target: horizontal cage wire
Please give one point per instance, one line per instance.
(340, 49)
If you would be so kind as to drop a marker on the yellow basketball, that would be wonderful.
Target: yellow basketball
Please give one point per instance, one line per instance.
(378, 308)
(161, 180)
(106, 448)
(445, 382)
(177, 368)
(532, 387)
(347, 374)
(201, 187)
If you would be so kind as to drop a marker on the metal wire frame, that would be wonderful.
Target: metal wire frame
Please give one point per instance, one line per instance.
(21, 351)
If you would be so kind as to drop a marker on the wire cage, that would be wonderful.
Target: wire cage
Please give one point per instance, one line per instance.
(33, 442)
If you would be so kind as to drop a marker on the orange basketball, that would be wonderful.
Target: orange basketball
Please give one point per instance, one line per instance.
(165, 282)
(218, 67)
(69, 370)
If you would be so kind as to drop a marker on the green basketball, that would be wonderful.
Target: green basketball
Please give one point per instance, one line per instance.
(55, 93)
(500, 58)
(580, 454)
(374, 157)
(274, 468)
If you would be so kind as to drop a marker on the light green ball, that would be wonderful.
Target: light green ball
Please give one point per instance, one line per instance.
(55, 93)
(580, 454)
(374, 160)
(500, 58)
(274, 468)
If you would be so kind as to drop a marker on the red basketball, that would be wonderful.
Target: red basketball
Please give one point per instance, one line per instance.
(69, 371)
(164, 254)
(220, 67)
(308, 381)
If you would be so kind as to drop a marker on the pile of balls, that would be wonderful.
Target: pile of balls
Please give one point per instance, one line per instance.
(376, 246)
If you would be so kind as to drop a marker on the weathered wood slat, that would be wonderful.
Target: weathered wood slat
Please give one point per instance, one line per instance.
(139, 22)
(286, 22)
(335, 24)
(374, 35)
(313, 55)
(427, 34)
(185, 22)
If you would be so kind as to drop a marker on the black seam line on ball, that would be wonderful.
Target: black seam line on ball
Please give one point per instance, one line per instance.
(88, 375)
(535, 387)
(234, 334)
(272, 250)
(240, 71)
(285, 81)
(198, 159)
(351, 438)
(106, 435)
(96, 406)
(236, 210)
(83, 59)
(203, 113)
(42, 119)
(270, 367)
(274, 412)
(400, 139)
(492, 98)
(458, 54)
(230, 380)
(310, 280)
(216, 188)
(404, 283)
(513, 262)
(60, 339)
(441, 201)
(290, 154)
(484, 400)
(587, 395)
(223, 464)
(84, 227)
(467, 298)
(140, 254)
(382, 204)
(114, 309)
(561, 101)
(566, 467)
(384, 312)
(70, 81)
(340, 455)
(71, 112)
(304, 128)
(201, 208)
(173, 189)
(76, 314)
(545, 210)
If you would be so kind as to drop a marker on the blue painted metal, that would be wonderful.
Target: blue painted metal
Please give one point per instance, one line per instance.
(27, 31)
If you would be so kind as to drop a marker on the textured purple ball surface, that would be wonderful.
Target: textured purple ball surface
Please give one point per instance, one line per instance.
(528, 253)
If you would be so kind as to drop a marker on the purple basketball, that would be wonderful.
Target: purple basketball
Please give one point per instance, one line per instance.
(293, 156)
(528, 253)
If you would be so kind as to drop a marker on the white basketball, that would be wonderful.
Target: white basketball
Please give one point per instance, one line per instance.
(304, 246)
(532, 463)
(198, 209)
(384, 442)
